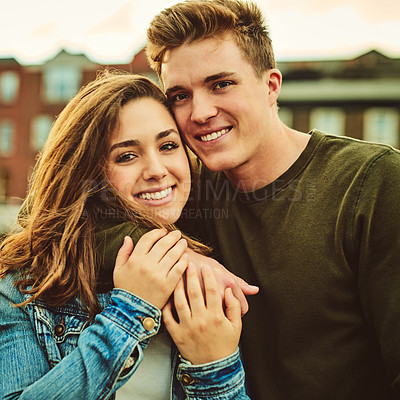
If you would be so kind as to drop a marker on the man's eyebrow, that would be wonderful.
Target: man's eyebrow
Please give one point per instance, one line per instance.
(208, 79)
(135, 142)
(173, 89)
(221, 75)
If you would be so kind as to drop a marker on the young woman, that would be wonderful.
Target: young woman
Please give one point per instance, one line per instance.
(73, 326)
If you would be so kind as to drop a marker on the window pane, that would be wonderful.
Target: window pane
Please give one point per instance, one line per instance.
(9, 84)
(382, 125)
(61, 83)
(6, 137)
(3, 185)
(40, 131)
(328, 120)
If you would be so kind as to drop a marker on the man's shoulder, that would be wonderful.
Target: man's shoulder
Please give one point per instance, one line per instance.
(347, 152)
(349, 144)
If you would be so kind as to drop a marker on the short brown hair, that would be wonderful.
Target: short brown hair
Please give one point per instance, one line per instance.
(194, 20)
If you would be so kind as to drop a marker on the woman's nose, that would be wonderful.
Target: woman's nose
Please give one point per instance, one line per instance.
(154, 169)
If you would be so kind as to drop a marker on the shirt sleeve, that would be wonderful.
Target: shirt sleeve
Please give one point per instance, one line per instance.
(376, 228)
(108, 351)
(223, 378)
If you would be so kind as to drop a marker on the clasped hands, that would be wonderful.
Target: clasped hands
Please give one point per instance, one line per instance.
(201, 301)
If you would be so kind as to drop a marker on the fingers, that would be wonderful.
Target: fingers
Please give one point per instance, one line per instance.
(147, 241)
(124, 252)
(212, 293)
(233, 309)
(194, 291)
(247, 289)
(181, 303)
(166, 246)
(173, 254)
(168, 316)
(177, 271)
(237, 292)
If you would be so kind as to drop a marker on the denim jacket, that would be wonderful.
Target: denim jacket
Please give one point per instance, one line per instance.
(56, 353)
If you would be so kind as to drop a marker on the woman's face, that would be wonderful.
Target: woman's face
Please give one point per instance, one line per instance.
(147, 162)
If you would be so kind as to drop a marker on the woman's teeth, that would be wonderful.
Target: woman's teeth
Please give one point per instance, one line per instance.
(155, 195)
(214, 135)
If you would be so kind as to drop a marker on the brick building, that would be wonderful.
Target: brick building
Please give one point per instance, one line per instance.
(359, 97)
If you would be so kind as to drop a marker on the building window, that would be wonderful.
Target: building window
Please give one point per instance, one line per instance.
(40, 131)
(61, 83)
(382, 125)
(328, 120)
(6, 137)
(9, 85)
(4, 179)
(286, 116)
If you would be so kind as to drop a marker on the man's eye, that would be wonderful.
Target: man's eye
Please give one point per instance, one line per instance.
(179, 97)
(125, 157)
(223, 84)
(169, 146)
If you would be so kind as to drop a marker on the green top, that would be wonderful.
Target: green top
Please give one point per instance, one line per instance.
(109, 237)
(322, 243)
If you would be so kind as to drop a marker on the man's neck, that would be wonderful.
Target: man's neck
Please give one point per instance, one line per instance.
(267, 166)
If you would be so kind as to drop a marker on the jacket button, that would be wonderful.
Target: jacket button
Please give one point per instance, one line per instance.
(148, 323)
(59, 329)
(188, 380)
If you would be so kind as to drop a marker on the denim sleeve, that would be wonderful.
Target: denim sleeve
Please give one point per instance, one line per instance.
(95, 369)
(221, 379)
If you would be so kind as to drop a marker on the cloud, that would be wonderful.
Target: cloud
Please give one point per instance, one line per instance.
(119, 22)
(44, 30)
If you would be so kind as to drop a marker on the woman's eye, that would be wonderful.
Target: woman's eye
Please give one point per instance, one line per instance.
(223, 84)
(169, 146)
(125, 157)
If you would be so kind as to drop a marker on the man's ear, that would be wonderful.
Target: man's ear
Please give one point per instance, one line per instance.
(273, 79)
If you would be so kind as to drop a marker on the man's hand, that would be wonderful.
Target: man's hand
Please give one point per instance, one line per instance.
(225, 279)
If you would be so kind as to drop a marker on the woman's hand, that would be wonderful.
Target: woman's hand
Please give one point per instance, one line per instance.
(152, 270)
(204, 332)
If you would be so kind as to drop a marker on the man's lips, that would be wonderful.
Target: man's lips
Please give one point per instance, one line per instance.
(208, 137)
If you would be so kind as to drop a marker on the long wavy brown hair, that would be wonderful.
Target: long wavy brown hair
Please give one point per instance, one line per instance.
(55, 248)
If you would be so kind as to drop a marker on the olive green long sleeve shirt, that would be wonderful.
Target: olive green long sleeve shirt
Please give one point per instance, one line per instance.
(323, 244)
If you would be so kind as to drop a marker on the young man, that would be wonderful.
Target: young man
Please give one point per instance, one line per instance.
(312, 219)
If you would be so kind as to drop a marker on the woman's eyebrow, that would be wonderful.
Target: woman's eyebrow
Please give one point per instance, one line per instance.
(135, 142)
(125, 143)
(166, 133)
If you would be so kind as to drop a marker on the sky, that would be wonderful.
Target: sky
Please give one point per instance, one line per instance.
(33, 31)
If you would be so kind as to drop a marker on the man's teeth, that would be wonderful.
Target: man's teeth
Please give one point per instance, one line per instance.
(155, 195)
(214, 135)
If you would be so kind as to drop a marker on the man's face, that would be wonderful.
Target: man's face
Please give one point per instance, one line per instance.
(221, 107)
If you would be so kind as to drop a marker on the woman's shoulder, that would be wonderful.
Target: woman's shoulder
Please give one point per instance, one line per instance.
(8, 288)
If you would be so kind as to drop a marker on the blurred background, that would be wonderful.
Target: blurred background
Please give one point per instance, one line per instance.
(340, 62)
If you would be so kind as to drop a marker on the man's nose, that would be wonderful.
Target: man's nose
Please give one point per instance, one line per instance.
(202, 108)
